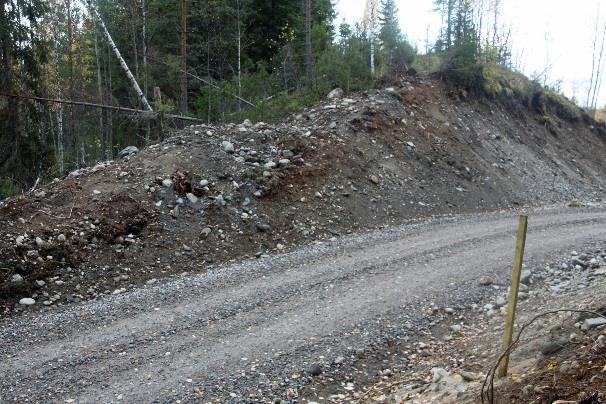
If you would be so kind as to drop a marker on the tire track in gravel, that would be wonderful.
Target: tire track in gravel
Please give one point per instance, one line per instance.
(280, 308)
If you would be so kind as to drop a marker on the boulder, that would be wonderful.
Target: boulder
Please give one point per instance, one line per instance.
(128, 151)
(336, 93)
(593, 323)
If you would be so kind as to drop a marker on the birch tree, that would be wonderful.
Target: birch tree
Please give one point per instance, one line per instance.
(123, 64)
(371, 16)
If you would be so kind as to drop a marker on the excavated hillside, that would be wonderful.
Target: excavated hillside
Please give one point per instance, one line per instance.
(215, 194)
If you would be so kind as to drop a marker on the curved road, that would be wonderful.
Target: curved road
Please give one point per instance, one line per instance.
(237, 334)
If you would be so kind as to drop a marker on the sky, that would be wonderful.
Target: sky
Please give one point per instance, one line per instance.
(555, 33)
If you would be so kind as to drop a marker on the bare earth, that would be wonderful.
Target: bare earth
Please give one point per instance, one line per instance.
(251, 331)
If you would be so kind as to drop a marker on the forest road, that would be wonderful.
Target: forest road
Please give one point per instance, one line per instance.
(239, 333)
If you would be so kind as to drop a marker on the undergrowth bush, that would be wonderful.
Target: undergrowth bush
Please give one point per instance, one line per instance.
(8, 188)
(498, 82)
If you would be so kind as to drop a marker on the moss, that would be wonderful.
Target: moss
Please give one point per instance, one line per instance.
(498, 82)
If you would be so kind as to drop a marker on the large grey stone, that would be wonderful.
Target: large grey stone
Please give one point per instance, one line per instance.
(593, 323)
(128, 151)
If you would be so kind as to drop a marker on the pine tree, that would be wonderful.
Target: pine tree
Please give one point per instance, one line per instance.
(390, 33)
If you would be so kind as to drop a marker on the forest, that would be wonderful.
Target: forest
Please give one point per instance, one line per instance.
(80, 80)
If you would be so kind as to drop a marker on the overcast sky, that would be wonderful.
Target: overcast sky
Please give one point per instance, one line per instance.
(554, 32)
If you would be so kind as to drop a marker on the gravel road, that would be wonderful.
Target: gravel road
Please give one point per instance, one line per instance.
(239, 333)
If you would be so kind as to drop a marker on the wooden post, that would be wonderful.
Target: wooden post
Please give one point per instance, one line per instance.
(513, 294)
(158, 100)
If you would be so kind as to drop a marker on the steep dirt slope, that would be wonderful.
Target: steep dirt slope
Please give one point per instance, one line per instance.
(212, 194)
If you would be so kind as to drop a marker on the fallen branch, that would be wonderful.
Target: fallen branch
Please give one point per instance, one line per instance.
(94, 105)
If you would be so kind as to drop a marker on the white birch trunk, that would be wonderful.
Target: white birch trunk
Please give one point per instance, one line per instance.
(371, 37)
(116, 51)
(99, 91)
(60, 146)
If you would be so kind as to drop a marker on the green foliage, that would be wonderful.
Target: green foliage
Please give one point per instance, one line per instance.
(8, 188)
(396, 53)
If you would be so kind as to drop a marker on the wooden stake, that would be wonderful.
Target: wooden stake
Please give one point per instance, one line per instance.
(513, 294)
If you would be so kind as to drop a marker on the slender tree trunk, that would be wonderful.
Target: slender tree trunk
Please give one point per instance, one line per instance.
(6, 80)
(598, 75)
(72, 139)
(110, 120)
(239, 58)
(144, 50)
(99, 92)
(60, 141)
(495, 26)
(309, 61)
(123, 64)
(133, 27)
(449, 11)
(209, 78)
(593, 58)
(371, 37)
(183, 77)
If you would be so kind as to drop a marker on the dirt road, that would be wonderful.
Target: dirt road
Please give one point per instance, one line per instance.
(240, 333)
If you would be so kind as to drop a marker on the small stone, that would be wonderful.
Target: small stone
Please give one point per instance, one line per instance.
(455, 328)
(374, 179)
(438, 374)
(61, 238)
(20, 240)
(220, 201)
(204, 183)
(193, 199)
(39, 242)
(449, 310)
(206, 232)
(501, 301)
(485, 281)
(314, 370)
(468, 376)
(284, 162)
(552, 347)
(228, 147)
(40, 283)
(27, 301)
(263, 227)
(16, 278)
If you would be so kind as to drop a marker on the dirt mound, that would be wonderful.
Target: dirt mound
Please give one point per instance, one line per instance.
(212, 194)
